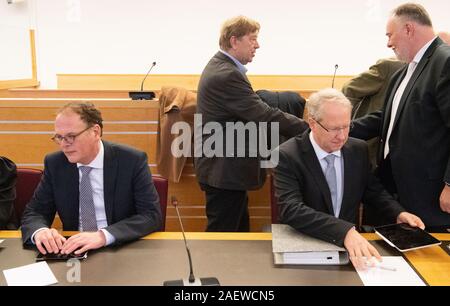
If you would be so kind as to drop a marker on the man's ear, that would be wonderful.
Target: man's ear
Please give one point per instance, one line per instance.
(232, 41)
(312, 123)
(97, 130)
(409, 29)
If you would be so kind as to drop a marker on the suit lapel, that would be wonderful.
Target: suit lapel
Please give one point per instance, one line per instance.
(110, 168)
(348, 175)
(72, 197)
(388, 110)
(417, 72)
(313, 165)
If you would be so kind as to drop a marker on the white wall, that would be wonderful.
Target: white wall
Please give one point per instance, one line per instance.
(15, 52)
(297, 36)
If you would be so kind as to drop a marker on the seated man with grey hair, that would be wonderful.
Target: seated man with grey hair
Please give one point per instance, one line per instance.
(323, 175)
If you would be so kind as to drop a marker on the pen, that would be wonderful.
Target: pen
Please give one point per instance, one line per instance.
(386, 268)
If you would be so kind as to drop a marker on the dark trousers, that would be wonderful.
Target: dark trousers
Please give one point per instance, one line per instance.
(371, 216)
(227, 210)
(384, 173)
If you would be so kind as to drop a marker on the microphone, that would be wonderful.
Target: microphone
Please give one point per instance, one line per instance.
(334, 76)
(143, 95)
(142, 84)
(191, 280)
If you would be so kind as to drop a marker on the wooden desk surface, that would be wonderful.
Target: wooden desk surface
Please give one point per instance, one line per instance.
(432, 263)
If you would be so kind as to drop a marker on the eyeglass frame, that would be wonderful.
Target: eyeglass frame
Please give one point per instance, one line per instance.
(64, 138)
(334, 130)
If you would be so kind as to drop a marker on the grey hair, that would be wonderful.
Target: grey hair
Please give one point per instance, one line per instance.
(317, 99)
(413, 12)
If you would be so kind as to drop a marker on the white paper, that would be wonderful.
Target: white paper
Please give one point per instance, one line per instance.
(1, 240)
(37, 274)
(393, 271)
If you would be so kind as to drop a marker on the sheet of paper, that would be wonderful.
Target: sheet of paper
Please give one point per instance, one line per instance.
(37, 274)
(393, 271)
(1, 241)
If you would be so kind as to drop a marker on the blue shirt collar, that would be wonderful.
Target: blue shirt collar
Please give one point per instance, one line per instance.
(241, 67)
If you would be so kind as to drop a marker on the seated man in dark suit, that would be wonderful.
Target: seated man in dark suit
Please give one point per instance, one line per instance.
(322, 176)
(102, 189)
(8, 175)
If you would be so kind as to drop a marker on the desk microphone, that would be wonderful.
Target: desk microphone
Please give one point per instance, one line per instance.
(191, 280)
(151, 67)
(143, 95)
(334, 76)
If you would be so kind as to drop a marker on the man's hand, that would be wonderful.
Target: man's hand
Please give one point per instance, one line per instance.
(411, 219)
(49, 240)
(359, 250)
(445, 199)
(83, 242)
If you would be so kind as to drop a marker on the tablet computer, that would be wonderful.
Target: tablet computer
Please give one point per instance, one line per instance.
(59, 256)
(405, 237)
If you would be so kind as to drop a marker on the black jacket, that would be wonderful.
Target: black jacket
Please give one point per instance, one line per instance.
(304, 197)
(131, 201)
(225, 95)
(8, 176)
(420, 140)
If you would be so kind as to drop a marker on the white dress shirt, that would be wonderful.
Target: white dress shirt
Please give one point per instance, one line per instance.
(96, 177)
(399, 93)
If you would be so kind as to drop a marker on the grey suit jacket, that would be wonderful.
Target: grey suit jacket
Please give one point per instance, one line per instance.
(304, 197)
(420, 139)
(225, 95)
(131, 201)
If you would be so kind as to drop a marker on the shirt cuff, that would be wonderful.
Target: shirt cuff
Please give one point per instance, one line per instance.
(109, 238)
(35, 232)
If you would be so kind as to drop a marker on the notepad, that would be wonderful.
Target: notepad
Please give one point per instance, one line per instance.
(37, 274)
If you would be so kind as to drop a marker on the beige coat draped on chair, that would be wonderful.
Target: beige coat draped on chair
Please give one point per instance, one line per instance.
(176, 105)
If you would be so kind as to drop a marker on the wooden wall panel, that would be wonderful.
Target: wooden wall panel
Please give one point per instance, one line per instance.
(190, 81)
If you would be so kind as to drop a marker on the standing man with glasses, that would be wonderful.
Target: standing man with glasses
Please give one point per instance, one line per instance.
(414, 124)
(226, 97)
(323, 175)
(101, 189)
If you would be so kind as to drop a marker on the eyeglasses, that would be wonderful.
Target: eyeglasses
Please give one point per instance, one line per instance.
(70, 138)
(335, 130)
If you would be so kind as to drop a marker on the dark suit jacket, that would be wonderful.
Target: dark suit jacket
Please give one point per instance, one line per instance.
(131, 201)
(420, 140)
(304, 197)
(226, 95)
(8, 175)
